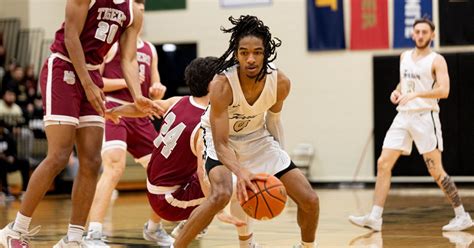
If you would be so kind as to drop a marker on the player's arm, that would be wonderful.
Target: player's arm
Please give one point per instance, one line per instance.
(129, 64)
(76, 14)
(220, 94)
(273, 120)
(157, 90)
(131, 110)
(397, 92)
(441, 89)
(111, 84)
(197, 147)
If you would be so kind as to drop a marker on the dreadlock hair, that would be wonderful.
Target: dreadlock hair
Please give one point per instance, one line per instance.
(198, 74)
(248, 26)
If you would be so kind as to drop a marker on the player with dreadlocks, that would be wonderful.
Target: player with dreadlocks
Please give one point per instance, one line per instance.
(243, 133)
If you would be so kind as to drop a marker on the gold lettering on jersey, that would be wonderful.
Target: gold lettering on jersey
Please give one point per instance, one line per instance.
(143, 58)
(114, 15)
(239, 125)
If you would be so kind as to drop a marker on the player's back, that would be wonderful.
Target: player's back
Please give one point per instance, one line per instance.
(172, 161)
(106, 20)
(113, 69)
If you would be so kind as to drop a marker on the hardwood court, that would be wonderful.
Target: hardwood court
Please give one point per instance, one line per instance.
(412, 218)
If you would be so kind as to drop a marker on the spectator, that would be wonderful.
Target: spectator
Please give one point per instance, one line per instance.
(10, 112)
(9, 162)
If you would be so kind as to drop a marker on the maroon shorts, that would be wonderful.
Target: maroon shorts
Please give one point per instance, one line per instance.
(178, 205)
(64, 99)
(135, 135)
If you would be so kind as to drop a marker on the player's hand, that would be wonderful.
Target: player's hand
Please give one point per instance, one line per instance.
(111, 115)
(229, 219)
(157, 91)
(404, 99)
(95, 96)
(149, 107)
(244, 181)
(395, 96)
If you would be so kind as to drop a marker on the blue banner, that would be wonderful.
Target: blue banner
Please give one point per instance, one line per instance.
(325, 25)
(405, 13)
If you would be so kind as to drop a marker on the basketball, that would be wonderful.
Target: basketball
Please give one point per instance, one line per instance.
(268, 202)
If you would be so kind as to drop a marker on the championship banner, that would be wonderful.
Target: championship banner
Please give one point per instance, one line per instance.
(405, 14)
(369, 24)
(325, 25)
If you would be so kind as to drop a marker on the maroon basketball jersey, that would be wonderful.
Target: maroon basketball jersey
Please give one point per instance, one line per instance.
(105, 22)
(113, 69)
(172, 161)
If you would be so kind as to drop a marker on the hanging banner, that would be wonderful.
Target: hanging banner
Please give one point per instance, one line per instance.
(405, 14)
(325, 25)
(369, 24)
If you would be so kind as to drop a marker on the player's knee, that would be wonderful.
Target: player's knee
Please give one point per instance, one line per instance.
(383, 165)
(311, 202)
(220, 197)
(57, 160)
(90, 164)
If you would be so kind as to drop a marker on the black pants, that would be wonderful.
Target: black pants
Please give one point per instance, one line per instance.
(22, 165)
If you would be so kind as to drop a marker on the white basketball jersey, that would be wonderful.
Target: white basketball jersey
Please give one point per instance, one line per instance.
(417, 77)
(243, 117)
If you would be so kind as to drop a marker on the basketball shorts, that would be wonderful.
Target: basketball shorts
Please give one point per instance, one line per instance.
(135, 135)
(424, 128)
(176, 203)
(64, 99)
(258, 152)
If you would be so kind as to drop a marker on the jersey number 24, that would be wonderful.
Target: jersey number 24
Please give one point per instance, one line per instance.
(169, 137)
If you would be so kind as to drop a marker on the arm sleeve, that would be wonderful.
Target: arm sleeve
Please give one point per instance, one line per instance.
(275, 127)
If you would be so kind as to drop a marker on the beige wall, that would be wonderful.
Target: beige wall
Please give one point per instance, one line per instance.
(330, 105)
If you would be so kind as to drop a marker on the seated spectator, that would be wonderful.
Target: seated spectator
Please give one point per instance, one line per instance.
(9, 162)
(10, 112)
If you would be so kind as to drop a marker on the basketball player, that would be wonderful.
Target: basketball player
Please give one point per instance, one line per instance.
(243, 133)
(176, 184)
(423, 80)
(132, 134)
(73, 102)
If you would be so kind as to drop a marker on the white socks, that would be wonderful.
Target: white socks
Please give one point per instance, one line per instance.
(376, 212)
(22, 223)
(95, 227)
(307, 244)
(459, 211)
(152, 226)
(75, 232)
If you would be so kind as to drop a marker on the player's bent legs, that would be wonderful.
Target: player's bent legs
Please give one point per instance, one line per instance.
(385, 164)
(88, 143)
(60, 143)
(221, 192)
(113, 161)
(435, 167)
(299, 189)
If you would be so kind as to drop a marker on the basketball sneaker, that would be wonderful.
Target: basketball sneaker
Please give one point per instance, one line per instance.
(10, 238)
(64, 243)
(94, 239)
(159, 236)
(367, 221)
(180, 226)
(461, 239)
(459, 223)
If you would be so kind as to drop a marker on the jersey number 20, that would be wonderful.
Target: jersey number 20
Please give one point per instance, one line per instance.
(169, 137)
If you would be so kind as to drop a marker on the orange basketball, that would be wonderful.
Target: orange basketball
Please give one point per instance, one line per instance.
(268, 202)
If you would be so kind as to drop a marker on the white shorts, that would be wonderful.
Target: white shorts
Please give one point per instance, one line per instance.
(258, 151)
(422, 127)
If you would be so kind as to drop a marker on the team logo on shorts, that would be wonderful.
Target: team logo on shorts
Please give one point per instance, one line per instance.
(69, 77)
(239, 125)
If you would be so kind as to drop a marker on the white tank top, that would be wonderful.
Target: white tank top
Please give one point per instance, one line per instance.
(243, 117)
(417, 77)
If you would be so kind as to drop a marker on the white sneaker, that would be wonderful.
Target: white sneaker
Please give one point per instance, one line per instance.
(94, 239)
(13, 239)
(367, 221)
(459, 223)
(160, 236)
(64, 243)
(180, 226)
(462, 239)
